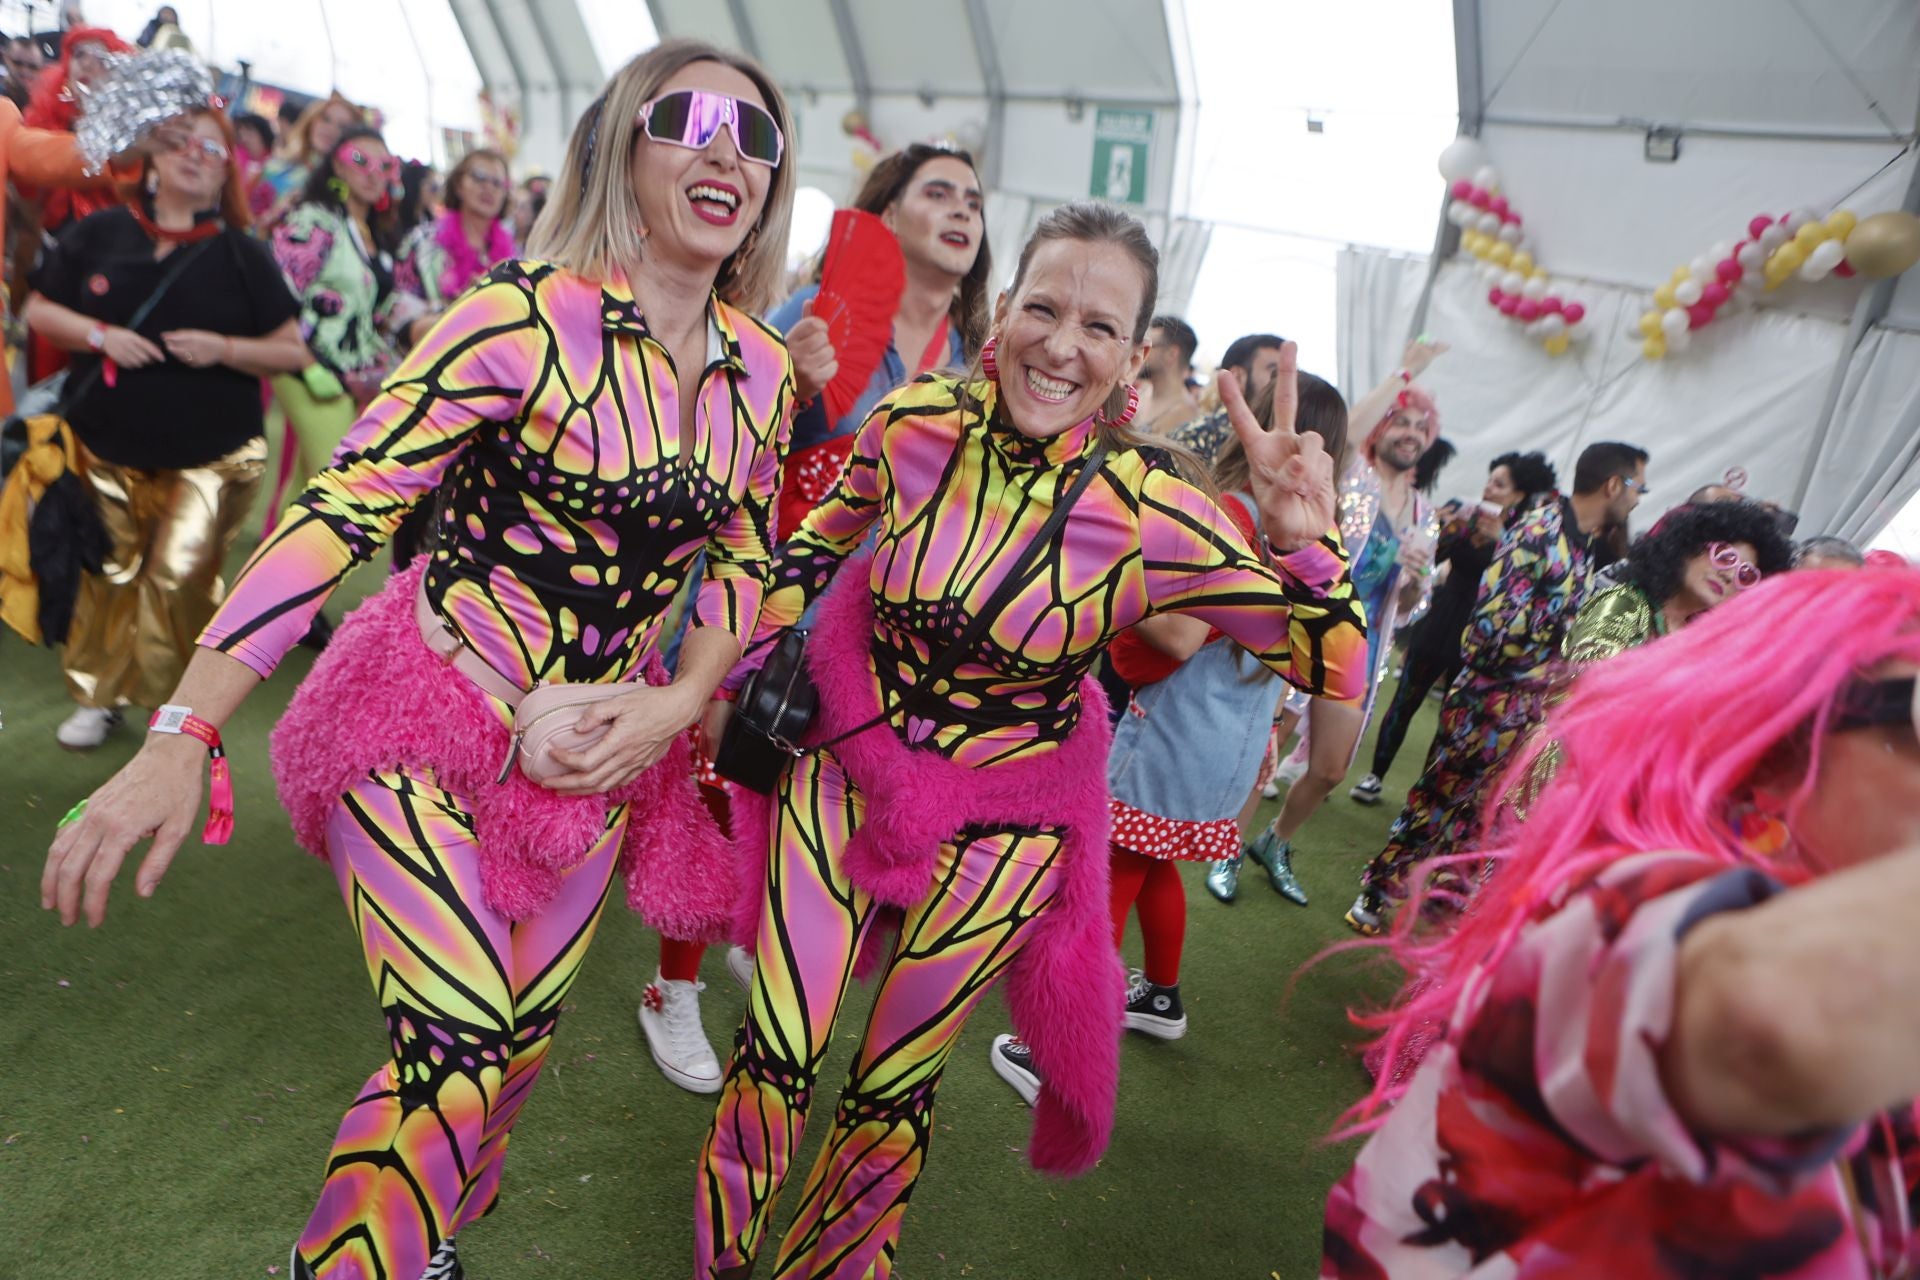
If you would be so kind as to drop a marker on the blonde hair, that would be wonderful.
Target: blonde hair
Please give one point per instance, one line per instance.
(591, 224)
(299, 140)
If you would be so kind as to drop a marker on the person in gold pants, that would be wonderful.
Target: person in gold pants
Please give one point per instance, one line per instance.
(168, 418)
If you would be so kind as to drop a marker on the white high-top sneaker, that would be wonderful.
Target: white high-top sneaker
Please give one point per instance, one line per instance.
(670, 1020)
(87, 728)
(740, 965)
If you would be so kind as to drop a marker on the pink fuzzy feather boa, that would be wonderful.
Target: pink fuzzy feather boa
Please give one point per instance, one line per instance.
(378, 699)
(463, 263)
(1065, 989)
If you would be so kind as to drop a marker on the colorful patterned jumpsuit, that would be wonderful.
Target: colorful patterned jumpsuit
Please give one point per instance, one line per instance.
(548, 417)
(956, 492)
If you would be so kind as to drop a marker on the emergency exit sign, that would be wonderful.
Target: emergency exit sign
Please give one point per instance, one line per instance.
(1121, 145)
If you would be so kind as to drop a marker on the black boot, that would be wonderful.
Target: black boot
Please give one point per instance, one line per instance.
(319, 633)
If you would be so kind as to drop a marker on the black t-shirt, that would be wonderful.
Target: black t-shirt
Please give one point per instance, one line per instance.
(168, 415)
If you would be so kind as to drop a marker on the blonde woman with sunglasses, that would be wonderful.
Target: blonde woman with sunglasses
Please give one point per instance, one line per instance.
(593, 420)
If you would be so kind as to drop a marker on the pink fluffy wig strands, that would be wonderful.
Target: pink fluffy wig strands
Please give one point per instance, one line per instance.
(1065, 989)
(1658, 745)
(378, 699)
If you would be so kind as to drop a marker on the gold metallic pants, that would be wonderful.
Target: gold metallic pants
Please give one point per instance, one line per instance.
(168, 532)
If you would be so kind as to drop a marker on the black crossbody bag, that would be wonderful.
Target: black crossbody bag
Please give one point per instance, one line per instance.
(777, 703)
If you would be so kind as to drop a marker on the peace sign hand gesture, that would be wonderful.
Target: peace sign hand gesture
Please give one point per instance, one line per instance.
(1290, 473)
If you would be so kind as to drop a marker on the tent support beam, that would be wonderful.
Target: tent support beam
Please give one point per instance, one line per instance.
(855, 54)
(996, 87)
(1470, 77)
(1868, 312)
(1634, 124)
(743, 29)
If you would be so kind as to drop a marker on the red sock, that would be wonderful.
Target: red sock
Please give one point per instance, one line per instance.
(680, 961)
(1163, 922)
(1126, 872)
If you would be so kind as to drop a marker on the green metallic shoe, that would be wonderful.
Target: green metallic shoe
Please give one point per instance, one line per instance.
(1223, 878)
(1276, 856)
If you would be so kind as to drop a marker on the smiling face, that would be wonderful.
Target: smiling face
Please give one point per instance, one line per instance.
(1500, 488)
(1066, 335)
(196, 170)
(938, 218)
(698, 206)
(1404, 440)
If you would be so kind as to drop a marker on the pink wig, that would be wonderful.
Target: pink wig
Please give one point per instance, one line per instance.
(1415, 399)
(1657, 746)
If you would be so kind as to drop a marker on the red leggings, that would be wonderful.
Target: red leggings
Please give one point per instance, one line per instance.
(1154, 883)
(679, 960)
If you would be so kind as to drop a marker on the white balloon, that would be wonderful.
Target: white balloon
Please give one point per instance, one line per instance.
(1703, 268)
(1679, 341)
(1488, 223)
(1687, 292)
(1825, 257)
(1775, 236)
(1752, 256)
(1552, 325)
(1537, 328)
(1721, 251)
(1461, 159)
(1511, 233)
(1802, 216)
(1486, 177)
(1460, 213)
(1675, 321)
(1513, 282)
(1535, 288)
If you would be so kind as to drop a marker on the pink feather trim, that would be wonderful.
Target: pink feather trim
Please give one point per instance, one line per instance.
(463, 264)
(378, 699)
(1065, 990)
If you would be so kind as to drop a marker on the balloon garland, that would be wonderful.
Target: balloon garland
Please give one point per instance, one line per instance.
(1491, 230)
(1799, 245)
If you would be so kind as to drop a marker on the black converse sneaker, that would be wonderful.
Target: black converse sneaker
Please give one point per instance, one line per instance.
(1013, 1062)
(1154, 1009)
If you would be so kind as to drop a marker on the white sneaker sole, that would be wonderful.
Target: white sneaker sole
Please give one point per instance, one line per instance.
(1022, 1082)
(1157, 1027)
(685, 1079)
(1364, 797)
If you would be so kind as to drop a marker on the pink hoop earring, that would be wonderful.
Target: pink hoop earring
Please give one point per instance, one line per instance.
(988, 365)
(1126, 414)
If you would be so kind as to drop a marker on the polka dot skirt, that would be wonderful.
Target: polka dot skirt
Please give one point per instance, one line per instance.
(1170, 839)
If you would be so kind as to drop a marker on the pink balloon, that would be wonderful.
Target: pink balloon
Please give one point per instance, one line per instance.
(1512, 217)
(1477, 197)
(1460, 189)
(1528, 310)
(1715, 294)
(1699, 315)
(1510, 305)
(1729, 270)
(1760, 223)
(1550, 305)
(1844, 269)
(1498, 205)
(1494, 296)
(1573, 312)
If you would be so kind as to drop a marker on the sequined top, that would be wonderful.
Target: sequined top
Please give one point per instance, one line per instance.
(571, 511)
(1616, 620)
(957, 492)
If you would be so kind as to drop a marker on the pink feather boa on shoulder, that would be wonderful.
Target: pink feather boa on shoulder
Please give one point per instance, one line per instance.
(463, 264)
(379, 699)
(1065, 990)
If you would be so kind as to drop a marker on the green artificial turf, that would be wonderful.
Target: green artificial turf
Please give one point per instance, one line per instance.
(173, 1080)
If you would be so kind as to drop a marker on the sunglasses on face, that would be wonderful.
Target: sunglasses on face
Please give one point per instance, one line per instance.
(1866, 703)
(387, 168)
(1636, 486)
(693, 118)
(211, 149)
(1723, 557)
(486, 180)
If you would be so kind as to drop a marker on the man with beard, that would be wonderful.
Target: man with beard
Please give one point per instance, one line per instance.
(1167, 402)
(1254, 359)
(1390, 530)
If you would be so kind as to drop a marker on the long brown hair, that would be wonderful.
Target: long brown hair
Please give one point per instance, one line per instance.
(1092, 222)
(464, 165)
(591, 225)
(887, 183)
(233, 192)
(298, 143)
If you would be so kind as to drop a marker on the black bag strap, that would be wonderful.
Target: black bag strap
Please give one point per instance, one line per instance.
(179, 260)
(1003, 595)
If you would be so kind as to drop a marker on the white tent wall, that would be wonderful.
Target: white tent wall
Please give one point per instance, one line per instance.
(1745, 395)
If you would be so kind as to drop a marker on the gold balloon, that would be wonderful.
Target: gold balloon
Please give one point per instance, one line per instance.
(1556, 345)
(1653, 348)
(1884, 245)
